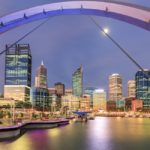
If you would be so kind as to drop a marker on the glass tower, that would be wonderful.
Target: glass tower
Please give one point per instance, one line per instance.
(143, 87)
(77, 82)
(89, 91)
(18, 64)
(40, 98)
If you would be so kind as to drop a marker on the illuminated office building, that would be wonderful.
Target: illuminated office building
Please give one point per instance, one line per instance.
(18, 64)
(85, 103)
(71, 102)
(131, 88)
(89, 91)
(40, 98)
(115, 87)
(99, 99)
(142, 80)
(40, 93)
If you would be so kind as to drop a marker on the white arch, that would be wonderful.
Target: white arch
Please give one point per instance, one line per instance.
(130, 13)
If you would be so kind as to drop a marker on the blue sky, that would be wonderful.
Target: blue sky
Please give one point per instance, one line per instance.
(65, 42)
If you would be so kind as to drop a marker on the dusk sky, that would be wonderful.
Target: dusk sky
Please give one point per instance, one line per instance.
(66, 42)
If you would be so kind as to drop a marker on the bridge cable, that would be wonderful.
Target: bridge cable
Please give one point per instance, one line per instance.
(120, 47)
(24, 36)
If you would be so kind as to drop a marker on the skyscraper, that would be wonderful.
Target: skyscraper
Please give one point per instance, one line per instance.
(131, 88)
(40, 93)
(40, 98)
(60, 91)
(77, 82)
(99, 99)
(41, 76)
(18, 64)
(115, 87)
(89, 91)
(142, 80)
(85, 102)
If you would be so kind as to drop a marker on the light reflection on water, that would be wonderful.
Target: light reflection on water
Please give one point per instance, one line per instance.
(99, 134)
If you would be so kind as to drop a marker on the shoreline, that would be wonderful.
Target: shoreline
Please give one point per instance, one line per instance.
(15, 131)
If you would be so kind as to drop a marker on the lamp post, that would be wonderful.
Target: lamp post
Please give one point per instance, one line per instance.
(43, 103)
(13, 111)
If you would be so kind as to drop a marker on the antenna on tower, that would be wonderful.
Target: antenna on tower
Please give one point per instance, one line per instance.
(42, 63)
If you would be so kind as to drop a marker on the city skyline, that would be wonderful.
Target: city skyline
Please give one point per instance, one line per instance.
(82, 40)
(75, 74)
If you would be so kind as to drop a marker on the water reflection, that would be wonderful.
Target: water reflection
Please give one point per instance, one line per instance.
(99, 134)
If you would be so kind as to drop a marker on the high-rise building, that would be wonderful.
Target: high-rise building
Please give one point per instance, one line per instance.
(99, 99)
(18, 64)
(41, 76)
(115, 87)
(85, 103)
(131, 88)
(142, 80)
(40, 93)
(77, 82)
(120, 105)
(89, 91)
(53, 99)
(60, 88)
(40, 98)
(70, 102)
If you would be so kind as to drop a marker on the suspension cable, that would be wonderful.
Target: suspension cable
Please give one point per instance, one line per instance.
(24, 36)
(120, 47)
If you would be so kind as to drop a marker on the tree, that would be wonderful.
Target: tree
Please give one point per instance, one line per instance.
(21, 115)
(27, 104)
(1, 114)
(1, 95)
(19, 104)
(34, 116)
(9, 114)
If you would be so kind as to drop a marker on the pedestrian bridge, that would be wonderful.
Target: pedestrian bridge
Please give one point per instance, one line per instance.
(130, 13)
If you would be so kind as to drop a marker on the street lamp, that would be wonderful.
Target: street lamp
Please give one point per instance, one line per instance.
(43, 103)
(13, 110)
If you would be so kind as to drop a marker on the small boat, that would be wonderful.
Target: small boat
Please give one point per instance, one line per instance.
(81, 116)
(70, 117)
(91, 117)
(80, 119)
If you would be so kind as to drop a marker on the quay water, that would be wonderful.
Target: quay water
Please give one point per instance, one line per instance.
(103, 133)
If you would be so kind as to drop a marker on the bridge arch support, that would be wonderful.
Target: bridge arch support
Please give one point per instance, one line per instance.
(133, 14)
